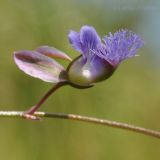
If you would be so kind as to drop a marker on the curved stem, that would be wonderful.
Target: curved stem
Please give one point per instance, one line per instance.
(45, 97)
(105, 122)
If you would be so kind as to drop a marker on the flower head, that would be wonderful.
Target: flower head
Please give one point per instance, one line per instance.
(98, 59)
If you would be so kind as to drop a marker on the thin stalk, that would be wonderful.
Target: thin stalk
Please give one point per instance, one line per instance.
(104, 122)
(44, 98)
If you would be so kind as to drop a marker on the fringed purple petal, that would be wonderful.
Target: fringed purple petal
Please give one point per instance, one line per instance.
(120, 46)
(38, 65)
(53, 52)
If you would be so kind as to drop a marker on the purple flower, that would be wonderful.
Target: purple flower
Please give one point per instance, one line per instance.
(100, 59)
(97, 62)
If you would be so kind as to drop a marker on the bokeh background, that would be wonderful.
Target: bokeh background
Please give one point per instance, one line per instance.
(131, 95)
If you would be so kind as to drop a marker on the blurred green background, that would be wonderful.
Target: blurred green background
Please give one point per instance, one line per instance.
(131, 95)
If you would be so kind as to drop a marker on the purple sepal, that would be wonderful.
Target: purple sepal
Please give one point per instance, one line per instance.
(38, 65)
(53, 52)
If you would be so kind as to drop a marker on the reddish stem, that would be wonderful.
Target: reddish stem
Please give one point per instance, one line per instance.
(44, 98)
